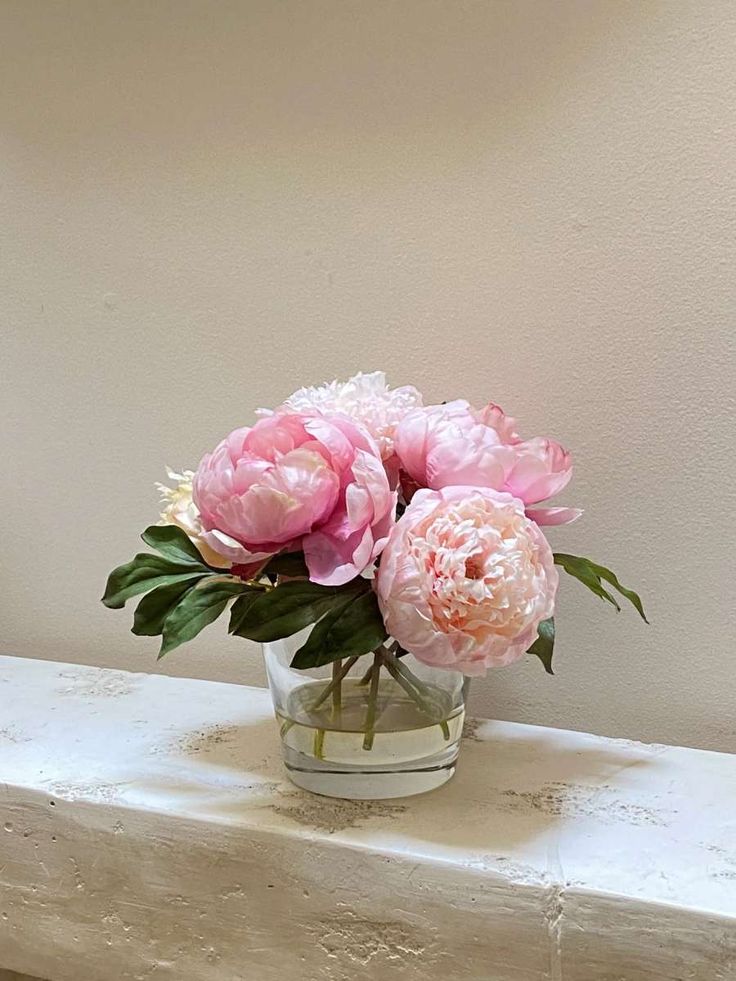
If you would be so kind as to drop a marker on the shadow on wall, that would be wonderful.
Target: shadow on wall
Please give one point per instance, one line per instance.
(328, 76)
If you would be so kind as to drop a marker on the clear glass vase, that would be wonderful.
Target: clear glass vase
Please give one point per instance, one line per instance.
(366, 728)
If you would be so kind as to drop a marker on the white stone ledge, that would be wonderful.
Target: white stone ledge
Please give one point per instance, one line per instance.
(147, 831)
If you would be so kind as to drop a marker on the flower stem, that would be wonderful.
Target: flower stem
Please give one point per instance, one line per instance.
(318, 749)
(285, 726)
(419, 686)
(370, 716)
(417, 691)
(336, 689)
(337, 677)
(408, 687)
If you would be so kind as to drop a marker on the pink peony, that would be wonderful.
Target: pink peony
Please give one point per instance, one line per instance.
(364, 398)
(454, 444)
(466, 579)
(445, 444)
(297, 481)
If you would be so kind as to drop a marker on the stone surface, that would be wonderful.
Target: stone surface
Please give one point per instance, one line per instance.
(147, 830)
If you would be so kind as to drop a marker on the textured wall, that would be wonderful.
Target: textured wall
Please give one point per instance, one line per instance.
(204, 206)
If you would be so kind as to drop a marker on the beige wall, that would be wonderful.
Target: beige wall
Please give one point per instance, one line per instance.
(207, 204)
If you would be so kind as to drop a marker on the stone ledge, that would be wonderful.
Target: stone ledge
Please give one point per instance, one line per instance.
(147, 831)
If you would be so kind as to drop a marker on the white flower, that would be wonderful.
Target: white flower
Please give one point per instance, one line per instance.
(367, 399)
(180, 510)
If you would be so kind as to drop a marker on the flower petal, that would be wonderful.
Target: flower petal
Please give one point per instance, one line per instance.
(553, 516)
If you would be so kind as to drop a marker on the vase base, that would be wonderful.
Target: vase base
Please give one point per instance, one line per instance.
(370, 785)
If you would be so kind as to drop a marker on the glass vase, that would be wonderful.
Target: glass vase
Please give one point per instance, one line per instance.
(369, 727)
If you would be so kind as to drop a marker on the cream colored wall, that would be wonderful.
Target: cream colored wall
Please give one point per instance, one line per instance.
(205, 205)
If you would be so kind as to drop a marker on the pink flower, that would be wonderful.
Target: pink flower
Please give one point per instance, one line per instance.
(445, 444)
(297, 481)
(364, 398)
(465, 579)
(455, 444)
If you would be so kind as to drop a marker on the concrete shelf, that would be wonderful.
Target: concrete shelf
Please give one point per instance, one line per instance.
(147, 830)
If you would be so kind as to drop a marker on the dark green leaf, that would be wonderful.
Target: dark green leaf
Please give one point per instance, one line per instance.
(543, 646)
(288, 608)
(287, 564)
(199, 607)
(591, 575)
(173, 543)
(354, 626)
(155, 607)
(240, 608)
(146, 572)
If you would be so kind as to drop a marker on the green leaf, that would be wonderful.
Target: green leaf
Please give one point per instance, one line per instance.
(174, 544)
(543, 646)
(287, 564)
(143, 573)
(629, 594)
(288, 608)
(199, 607)
(155, 607)
(591, 575)
(352, 627)
(240, 610)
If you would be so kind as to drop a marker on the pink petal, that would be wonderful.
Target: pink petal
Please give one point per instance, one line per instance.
(332, 562)
(231, 549)
(331, 436)
(410, 443)
(553, 516)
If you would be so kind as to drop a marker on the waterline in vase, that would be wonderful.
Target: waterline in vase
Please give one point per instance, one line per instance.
(367, 727)
(402, 731)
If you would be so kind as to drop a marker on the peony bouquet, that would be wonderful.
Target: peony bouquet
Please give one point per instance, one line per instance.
(387, 527)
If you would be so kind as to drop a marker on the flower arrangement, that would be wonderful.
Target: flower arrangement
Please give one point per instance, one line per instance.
(387, 526)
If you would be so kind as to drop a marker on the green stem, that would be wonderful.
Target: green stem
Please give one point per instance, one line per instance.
(370, 716)
(345, 666)
(285, 726)
(336, 689)
(419, 686)
(410, 690)
(416, 690)
(337, 675)
(384, 650)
